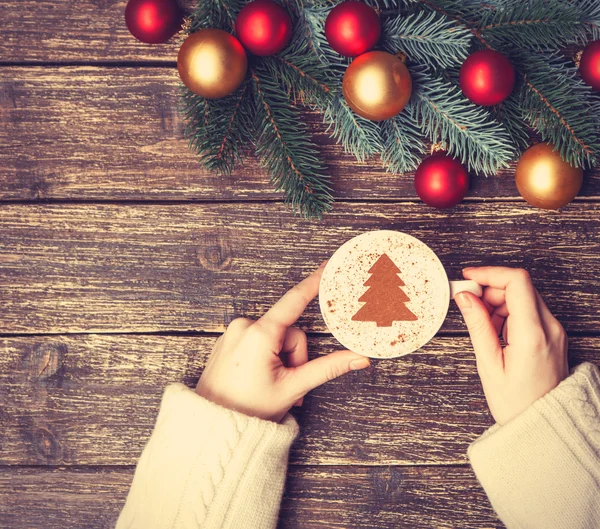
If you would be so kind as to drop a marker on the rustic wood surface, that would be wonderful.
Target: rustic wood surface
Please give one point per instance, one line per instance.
(145, 268)
(92, 133)
(379, 497)
(108, 285)
(64, 397)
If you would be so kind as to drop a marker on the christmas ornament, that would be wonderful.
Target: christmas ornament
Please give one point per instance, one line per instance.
(441, 181)
(352, 28)
(553, 101)
(377, 85)
(153, 21)
(487, 77)
(589, 66)
(263, 27)
(212, 63)
(545, 180)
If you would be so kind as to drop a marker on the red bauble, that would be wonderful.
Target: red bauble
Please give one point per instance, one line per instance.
(487, 77)
(263, 27)
(589, 67)
(352, 28)
(153, 21)
(441, 181)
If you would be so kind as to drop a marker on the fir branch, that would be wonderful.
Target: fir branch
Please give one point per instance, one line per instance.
(428, 38)
(536, 24)
(218, 128)
(590, 16)
(557, 104)
(359, 136)
(303, 73)
(317, 85)
(283, 147)
(510, 114)
(462, 13)
(309, 34)
(403, 146)
(464, 129)
(301, 84)
(215, 14)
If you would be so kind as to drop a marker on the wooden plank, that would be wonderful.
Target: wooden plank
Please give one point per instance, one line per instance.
(116, 268)
(115, 133)
(88, 31)
(316, 498)
(93, 400)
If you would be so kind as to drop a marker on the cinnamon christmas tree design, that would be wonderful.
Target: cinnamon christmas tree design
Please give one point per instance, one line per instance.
(384, 300)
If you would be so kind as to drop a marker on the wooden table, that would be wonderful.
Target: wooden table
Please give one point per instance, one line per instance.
(121, 261)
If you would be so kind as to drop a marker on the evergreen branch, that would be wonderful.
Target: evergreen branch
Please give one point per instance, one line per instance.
(510, 114)
(299, 84)
(557, 104)
(302, 74)
(537, 24)
(403, 145)
(218, 128)
(427, 38)
(590, 16)
(215, 14)
(359, 136)
(309, 34)
(461, 12)
(464, 129)
(284, 149)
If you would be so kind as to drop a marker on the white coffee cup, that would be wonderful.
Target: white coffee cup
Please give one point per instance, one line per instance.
(385, 294)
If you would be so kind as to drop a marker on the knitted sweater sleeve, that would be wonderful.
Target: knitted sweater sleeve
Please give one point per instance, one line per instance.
(542, 469)
(208, 467)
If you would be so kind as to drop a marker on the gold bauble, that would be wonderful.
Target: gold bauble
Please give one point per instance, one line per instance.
(545, 180)
(212, 63)
(377, 85)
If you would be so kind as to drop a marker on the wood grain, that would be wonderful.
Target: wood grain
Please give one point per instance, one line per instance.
(91, 133)
(140, 268)
(88, 31)
(93, 400)
(316, 498)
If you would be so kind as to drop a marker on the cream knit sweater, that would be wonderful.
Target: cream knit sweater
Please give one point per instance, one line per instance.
(211, 468)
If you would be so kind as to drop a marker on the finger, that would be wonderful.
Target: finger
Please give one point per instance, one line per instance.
(547, 317)
(484, 336)
(295, 347)
(291, 306)
(493, 300)
(552, 327)
(520, 294)
(498, 321)
(496, 297)
(323, 369)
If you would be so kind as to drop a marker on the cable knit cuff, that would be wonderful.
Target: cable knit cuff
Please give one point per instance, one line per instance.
(210, 467)
(542, 469)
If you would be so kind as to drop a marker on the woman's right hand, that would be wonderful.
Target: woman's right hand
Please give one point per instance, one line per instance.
(534, 359)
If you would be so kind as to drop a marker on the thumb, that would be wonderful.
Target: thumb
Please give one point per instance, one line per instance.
(486, 343)
(323, 369)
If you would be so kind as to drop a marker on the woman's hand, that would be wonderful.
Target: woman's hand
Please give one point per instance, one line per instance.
(261, 367)
(534, 361)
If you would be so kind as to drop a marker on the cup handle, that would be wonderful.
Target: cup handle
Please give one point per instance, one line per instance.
(467, 285)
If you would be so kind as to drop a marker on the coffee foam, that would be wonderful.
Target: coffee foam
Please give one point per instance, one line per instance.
(343, 283)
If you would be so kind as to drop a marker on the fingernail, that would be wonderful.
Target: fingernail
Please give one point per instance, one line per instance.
(467, 269)
(324, 263)
(463, 300)
(359, 363)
